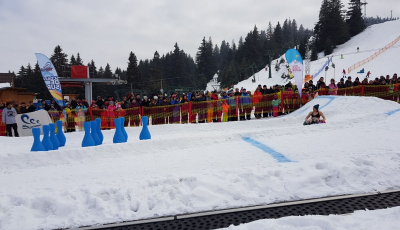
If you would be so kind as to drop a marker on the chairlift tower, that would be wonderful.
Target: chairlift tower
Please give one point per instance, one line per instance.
(365, 7)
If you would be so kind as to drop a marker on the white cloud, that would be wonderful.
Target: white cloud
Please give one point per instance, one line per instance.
(107, 31)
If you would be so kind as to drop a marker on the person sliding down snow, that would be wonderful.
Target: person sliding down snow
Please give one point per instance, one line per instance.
(315, 116)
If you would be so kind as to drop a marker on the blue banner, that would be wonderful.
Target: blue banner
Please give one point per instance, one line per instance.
(50, 78)
(295, 62)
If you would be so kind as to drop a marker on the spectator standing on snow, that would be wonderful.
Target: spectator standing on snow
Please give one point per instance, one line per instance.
(31, 108)
(333, 88)
(356, 82)
(311, 84)
(245, 102)
(100, 102)
(341, 85)
(24, 108)
(257, 98)
(348, 83)
(275, 105)
(9, 114)
(320, 82)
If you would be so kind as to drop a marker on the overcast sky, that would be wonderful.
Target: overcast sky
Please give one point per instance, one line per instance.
(106, 31)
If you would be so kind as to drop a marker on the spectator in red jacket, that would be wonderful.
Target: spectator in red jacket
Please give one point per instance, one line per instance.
(257, 97)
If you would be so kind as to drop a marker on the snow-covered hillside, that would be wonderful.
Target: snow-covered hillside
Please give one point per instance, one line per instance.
(191, 168)
(370, 41)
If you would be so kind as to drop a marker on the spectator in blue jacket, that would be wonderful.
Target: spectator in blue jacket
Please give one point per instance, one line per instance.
(246, 105)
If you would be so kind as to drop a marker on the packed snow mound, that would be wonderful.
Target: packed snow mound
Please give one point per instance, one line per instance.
(344, 109)
(369, 41)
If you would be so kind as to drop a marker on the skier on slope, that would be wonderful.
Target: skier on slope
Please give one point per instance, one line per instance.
(369, 73)
(344, 73)
(315, 116)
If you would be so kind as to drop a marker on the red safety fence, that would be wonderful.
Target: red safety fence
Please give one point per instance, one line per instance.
(223, 110)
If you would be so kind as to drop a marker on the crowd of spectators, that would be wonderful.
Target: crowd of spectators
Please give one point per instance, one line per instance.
(262, 101)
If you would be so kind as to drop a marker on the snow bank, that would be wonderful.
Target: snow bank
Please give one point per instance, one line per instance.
(192, 168)
(359, 220)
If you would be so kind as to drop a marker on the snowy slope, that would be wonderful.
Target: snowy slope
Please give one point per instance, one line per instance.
(370, 41)
(192, 168)
(359, 220)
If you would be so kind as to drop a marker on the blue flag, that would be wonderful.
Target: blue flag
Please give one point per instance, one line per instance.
(295, 62)
(50, 78)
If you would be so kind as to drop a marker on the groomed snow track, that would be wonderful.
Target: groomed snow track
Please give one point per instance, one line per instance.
(224, 218)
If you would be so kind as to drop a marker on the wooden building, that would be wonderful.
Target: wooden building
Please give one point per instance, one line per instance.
(9, 93)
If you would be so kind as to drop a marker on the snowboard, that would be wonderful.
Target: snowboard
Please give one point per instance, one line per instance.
(320, 122)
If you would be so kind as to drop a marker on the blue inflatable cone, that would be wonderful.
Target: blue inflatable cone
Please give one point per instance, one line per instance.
(37, 145)
(123, 129)
(46, 142)
(87, 139)
(96, 139)
(99, 133)
(118, 136)
(60, 134)
(53, 138)
(145, 134)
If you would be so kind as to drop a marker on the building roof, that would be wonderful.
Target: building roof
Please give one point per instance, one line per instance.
(12, 89)
(6, 77)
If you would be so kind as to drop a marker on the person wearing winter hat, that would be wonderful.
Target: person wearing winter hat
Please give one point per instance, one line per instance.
(315, 116)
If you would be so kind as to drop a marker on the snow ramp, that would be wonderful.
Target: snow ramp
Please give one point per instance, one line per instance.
(346, 109)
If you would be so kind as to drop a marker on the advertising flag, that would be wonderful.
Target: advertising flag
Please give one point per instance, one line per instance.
(295, 62)
(50, 78)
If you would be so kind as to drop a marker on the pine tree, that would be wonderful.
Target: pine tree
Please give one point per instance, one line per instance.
(22, 71)
(252, 48)
(29, 75)
(72, 61)
(294, 33)
(331, 25)
(92, 69)
(206, 66)
(240, 42)
(132, 72)
(301, 33)
(79, 60)
(217, 56)
(107, 72)
(59, 60)
(177, 66)
(314, 53)
(100, 73)
(355, 21)
(287, 35)
(278, 36)
(328, 47)
(302, 48)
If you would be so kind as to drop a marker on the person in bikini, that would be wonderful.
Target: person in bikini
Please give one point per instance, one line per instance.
(315, 116)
